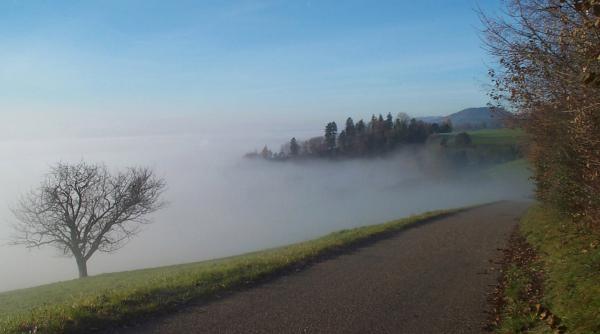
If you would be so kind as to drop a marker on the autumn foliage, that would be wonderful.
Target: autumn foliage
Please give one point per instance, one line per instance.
(548, 73)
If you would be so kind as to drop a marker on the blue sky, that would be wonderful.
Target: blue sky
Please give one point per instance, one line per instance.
(254, 60)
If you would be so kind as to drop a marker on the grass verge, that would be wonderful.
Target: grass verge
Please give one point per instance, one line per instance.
(81, 306)
(567, 264)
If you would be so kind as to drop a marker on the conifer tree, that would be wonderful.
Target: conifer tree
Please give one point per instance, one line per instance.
(389, 122)
(294, 147)
(330, 135)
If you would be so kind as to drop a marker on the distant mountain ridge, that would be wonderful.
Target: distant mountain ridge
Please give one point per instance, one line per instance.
(472, 118)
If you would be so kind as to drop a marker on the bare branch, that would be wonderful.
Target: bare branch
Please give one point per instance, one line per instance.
(82, 208)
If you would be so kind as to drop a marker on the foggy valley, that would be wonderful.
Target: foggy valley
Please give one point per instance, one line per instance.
(221, 204)
(269, 166)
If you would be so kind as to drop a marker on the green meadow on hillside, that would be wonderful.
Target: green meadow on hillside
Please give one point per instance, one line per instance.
(497, 136)
(485, 137)
(486, 148)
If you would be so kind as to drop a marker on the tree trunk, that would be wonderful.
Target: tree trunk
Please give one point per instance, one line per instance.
(82, 266)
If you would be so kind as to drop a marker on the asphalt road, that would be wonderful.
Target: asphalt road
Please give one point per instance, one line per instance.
(433, 278)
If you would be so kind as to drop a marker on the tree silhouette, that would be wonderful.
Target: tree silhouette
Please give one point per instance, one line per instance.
(330, 136)
(294, 147)
(379, 136)
(83, 208)
(266, 153)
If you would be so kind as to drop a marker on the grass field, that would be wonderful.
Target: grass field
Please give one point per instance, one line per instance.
(109, 299)
(502, 136)
(497, 136)
(488, 147)
(569, 260)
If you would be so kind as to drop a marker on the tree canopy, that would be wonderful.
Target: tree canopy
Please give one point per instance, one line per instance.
(379, 136)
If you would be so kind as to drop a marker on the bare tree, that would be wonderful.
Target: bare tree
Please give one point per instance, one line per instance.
(83, 208)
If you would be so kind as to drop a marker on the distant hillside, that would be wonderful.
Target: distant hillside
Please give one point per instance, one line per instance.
(472, 118)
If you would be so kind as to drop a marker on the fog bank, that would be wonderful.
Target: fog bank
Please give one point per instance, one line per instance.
(222, 204)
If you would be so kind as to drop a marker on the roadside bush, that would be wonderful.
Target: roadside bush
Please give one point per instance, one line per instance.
(548, 53)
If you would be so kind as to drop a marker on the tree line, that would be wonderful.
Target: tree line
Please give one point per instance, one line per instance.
(378, 136)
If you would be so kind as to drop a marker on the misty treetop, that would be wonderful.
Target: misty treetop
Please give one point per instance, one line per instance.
(361, 139)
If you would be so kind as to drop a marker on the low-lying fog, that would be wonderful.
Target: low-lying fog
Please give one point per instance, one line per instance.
(222, 204)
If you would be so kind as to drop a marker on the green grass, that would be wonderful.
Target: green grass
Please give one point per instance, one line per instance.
(493, 137)
(519, 314)
(109, 299)
(487, 147)
(502, 136)
(497, 136)
(570, 259)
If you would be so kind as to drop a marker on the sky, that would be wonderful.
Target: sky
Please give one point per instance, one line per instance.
(188, 87)
(94, 67)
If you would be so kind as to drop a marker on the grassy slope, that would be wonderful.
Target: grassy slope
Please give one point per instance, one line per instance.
(490, 136)
(496, 136)
(570, 261)
(81, 305)
(488, 147)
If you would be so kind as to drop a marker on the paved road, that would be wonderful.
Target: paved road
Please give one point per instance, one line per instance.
(429, 279)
